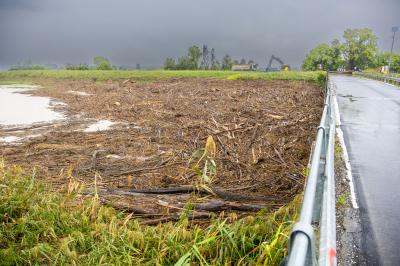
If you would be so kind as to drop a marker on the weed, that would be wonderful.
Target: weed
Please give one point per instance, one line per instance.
(342, 199)
(42, 227)
(306, 171)
(338, 149)
(210, 168)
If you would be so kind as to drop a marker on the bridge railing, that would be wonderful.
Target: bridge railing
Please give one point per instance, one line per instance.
(317, 216)
(387, 79)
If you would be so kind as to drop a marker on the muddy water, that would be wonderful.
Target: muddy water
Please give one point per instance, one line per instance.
(22, 109)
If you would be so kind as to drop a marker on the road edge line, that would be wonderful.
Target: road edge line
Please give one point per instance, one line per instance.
(345, 155)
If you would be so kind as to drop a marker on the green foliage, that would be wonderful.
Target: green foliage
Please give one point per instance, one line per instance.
(226, 63)
(194, 54)
(102, 63)
(325, 57)
(395, 65)
(28, 66)
(169, 64)
(185, 63)
(319, 58)
(359, 48)
(215, 65)
(337, 55)
(342, 199)
(188, 62)
(38, 227)
(77, 67)
(209, 166)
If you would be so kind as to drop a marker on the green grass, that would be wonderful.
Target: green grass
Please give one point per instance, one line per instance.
(152, 75)
(40, 227)
(342, 199)
(377, 72)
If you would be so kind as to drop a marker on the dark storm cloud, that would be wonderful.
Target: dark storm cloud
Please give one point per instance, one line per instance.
(17, 4)
(147, 31)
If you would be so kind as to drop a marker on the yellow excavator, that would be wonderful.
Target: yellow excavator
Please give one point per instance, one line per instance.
(283, 66)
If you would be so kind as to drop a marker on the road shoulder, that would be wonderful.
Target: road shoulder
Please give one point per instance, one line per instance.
(348, 223)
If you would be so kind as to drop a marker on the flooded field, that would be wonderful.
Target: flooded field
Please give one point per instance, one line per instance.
(19, 108)
(146, 142)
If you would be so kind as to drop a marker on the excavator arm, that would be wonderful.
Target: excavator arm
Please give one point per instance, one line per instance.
(283, 66)
(273, 57)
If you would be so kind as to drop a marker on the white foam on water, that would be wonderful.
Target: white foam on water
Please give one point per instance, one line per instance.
(22, 109)
(100, 125)
(10, 139)
(80, 93)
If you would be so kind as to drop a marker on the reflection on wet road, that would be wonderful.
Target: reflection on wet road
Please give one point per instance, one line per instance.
(370, 116)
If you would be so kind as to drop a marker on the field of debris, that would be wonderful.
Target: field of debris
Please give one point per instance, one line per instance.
(163, 147)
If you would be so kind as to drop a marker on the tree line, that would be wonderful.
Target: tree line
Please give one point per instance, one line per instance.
(359, 50)
(100, 63)
(204, 59)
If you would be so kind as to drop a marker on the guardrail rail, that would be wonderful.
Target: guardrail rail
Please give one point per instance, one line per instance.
(317, 216)
(387, 79)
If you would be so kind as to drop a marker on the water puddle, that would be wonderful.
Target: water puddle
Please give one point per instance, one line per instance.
(18, 109)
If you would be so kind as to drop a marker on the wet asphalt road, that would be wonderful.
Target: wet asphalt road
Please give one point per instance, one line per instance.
(370, 116)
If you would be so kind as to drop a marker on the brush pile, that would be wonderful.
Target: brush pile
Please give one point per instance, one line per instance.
(155, 162)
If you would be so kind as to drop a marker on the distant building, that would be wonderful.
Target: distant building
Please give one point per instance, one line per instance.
(243, 67)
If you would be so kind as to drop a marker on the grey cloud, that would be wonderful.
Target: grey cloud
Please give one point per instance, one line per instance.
(148, 31)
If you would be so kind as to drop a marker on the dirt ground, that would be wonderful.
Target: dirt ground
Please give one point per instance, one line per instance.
(263, 131)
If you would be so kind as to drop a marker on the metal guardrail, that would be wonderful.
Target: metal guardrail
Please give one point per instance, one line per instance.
(383, 78)
(318, 215)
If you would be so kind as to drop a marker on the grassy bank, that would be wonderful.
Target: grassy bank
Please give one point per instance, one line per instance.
(151, 75)
(378, 72)
(38, 227)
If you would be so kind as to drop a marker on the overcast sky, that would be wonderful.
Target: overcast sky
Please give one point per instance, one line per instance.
(147, 31)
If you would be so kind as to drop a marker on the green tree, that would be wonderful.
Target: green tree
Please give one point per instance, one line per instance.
(360, 48)
(194, 54)
(102, 63)
(319, 57)
(337, 55)
(216, 65)
(184, 62)
(77, 67)
(227, 62)
(395, 65)
(381, 59)
(169, 64)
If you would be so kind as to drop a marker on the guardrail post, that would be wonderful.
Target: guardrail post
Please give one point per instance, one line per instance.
(319, 198)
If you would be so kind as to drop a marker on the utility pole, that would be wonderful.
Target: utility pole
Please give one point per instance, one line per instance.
(394, 30)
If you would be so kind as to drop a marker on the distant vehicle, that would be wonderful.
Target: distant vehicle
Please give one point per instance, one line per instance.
(283, 66)
(244, 67)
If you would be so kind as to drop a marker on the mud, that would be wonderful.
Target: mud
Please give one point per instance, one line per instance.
(263, 131)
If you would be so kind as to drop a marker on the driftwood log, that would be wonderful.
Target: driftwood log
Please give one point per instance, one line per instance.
(211, 190)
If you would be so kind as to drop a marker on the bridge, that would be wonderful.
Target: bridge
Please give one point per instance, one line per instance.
(367, 119)
(370, 120)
